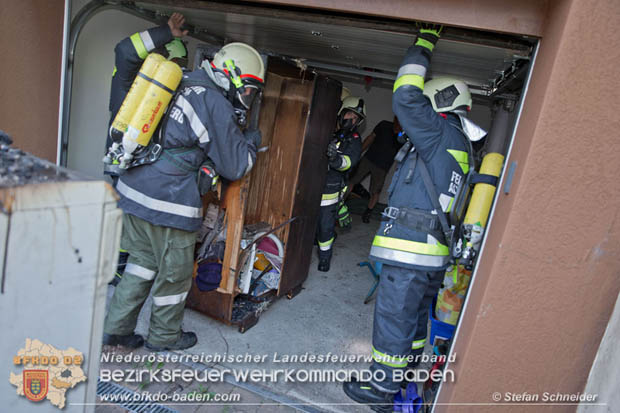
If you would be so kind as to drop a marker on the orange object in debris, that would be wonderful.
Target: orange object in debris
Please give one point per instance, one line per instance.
(260, 262)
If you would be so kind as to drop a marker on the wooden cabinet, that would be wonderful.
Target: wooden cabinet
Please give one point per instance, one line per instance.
(297, 118)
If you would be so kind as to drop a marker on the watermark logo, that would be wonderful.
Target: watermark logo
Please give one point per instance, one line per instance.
(48, 373)
(35, 384)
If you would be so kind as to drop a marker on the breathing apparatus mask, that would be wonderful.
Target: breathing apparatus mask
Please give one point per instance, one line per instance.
(355, 105)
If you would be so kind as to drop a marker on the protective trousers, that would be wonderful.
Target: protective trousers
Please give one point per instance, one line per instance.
(401, 319)
(326, 232)
(161, 261)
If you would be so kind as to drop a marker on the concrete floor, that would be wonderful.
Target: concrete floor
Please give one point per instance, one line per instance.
(327, 316)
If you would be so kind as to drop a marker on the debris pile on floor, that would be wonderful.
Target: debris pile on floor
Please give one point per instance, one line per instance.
(244, 307)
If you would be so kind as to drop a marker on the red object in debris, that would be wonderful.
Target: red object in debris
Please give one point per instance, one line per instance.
(268, 245)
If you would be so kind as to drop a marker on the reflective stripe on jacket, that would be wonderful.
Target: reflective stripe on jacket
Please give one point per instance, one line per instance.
(349, 153)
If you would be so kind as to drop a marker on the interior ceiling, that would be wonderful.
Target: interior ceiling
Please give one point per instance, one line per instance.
(351, 47)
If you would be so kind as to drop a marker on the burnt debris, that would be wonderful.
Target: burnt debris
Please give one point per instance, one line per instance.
(19, 168)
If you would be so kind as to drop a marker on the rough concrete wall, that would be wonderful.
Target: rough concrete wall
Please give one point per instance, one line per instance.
(525, 16)
(31, 53)
(548, 281)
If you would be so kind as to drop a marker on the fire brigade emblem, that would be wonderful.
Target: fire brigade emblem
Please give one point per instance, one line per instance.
(35, 384)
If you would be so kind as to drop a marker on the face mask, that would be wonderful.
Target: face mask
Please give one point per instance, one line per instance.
(346, 124)
(246, 95)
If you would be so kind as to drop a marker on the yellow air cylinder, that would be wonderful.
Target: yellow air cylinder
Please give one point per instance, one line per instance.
(134, 96)
(157, 93)
(482, 197)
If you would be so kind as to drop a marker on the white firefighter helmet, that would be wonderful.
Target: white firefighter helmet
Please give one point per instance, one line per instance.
(244, 68)
(447, 94)
(354, 104)
(345, 93)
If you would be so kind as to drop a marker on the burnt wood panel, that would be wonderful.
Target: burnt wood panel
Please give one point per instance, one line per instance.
(234, 203)
(259, 190)
(312, 172)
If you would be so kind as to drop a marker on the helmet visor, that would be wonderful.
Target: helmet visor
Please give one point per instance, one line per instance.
(247, 94)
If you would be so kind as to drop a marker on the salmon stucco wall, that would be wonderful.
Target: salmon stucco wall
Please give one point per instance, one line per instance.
(31, 53)
(524, 16)
(550, 274)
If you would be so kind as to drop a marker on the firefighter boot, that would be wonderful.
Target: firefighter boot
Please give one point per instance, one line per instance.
(363, 392)
(185, 341)
(324, 263)
(325, 258)
(129, 340)
(366, 216)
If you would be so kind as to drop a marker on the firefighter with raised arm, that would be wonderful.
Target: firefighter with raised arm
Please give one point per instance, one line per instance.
(129, 54)
(412, 242)
(343, 152)
(161, 199)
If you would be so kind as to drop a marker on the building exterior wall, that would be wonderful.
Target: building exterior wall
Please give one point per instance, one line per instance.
(525, 16)
(31, 50)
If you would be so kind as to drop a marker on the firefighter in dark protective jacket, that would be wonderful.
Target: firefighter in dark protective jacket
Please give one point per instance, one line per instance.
(343, 153)
(410, 242)
(161, 201)
(128, 58)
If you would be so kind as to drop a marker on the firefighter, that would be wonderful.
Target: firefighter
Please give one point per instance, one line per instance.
(129, 54)
(410, 242)
(343, 152)
(161, 201)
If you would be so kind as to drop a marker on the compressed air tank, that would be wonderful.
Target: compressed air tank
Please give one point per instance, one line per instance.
(482, 197)
(134, 96)
(146, 103)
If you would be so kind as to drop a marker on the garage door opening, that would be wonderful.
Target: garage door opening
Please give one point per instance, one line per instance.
(362, 54)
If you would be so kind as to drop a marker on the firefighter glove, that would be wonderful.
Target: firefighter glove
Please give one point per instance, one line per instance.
(253, 136)
(207, 177)
(332, 150)
(428, 34)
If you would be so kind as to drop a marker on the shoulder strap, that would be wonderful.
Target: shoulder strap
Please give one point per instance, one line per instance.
(185, 83)
(432, 192)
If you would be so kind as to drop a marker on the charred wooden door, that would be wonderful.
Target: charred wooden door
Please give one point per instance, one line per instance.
(297, 120)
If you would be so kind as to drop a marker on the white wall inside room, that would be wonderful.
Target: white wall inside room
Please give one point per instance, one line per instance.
(378, 105)
(92, 74)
